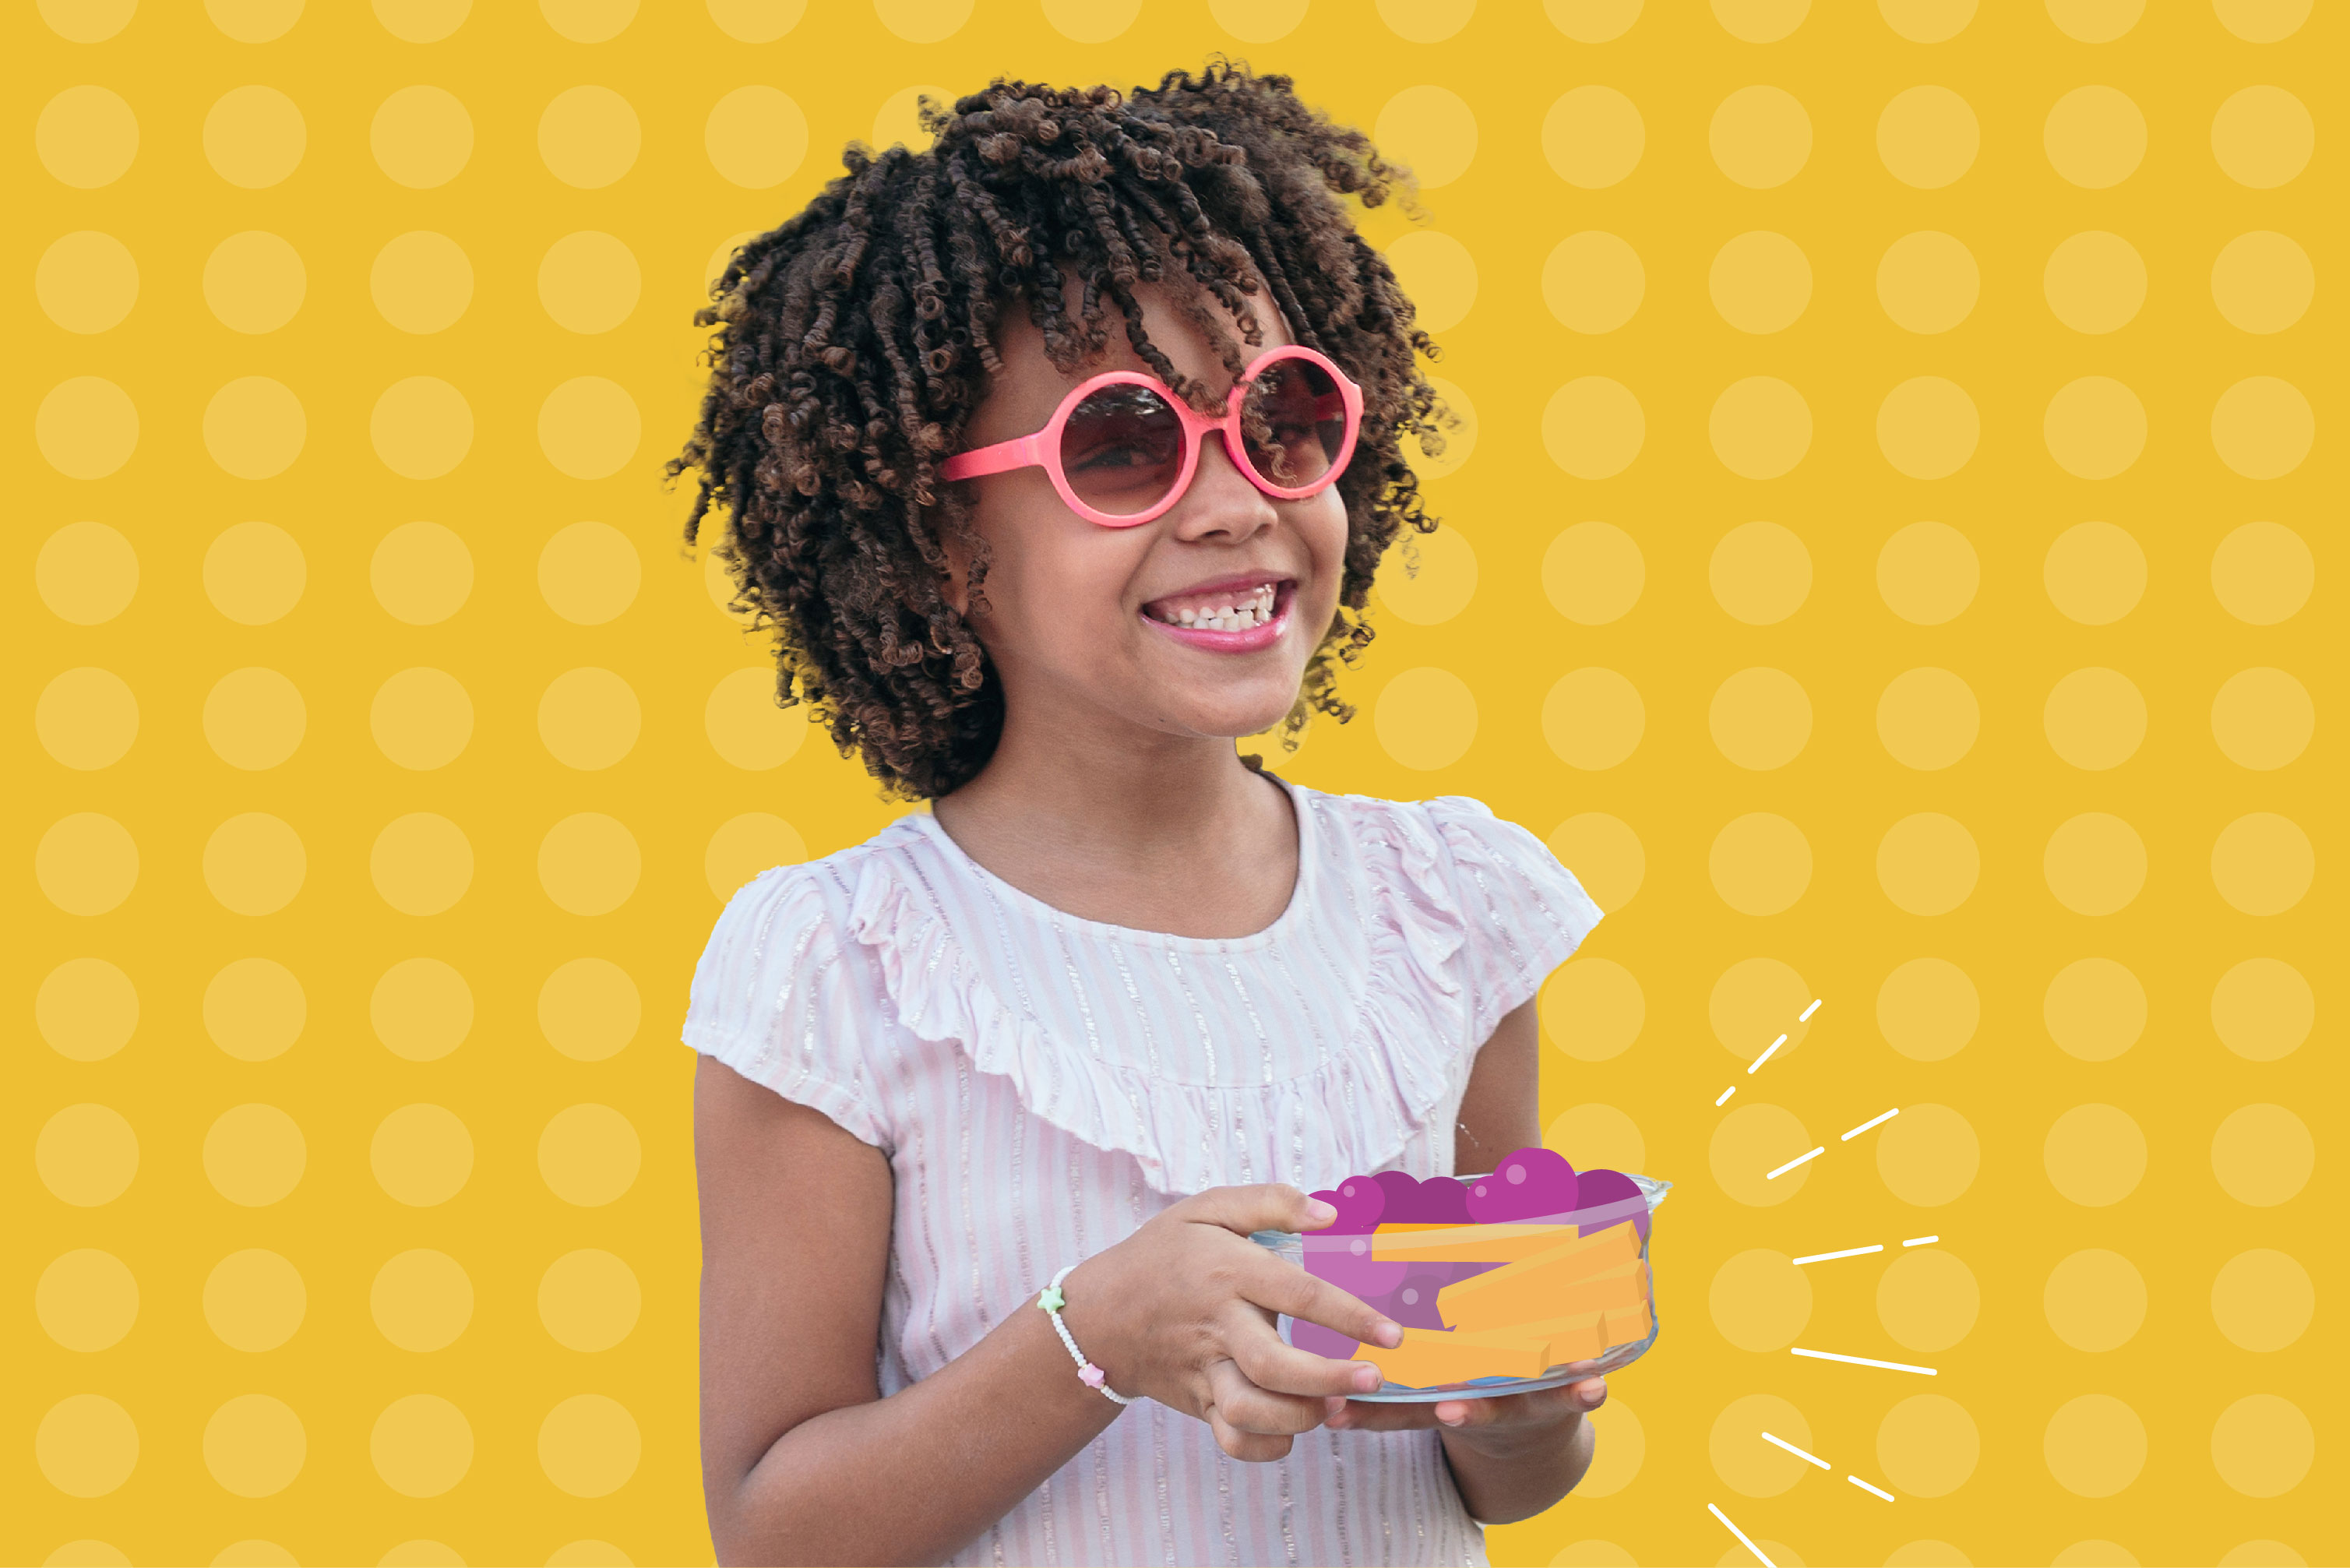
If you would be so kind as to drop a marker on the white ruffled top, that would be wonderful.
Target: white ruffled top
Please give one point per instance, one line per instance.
(1043, 1084)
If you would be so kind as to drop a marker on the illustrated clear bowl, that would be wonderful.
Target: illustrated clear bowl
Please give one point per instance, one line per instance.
(1291, 1246)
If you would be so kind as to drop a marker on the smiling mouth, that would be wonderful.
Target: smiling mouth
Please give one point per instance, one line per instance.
(1221, 611)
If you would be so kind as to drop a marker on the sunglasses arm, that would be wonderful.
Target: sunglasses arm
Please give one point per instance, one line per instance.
(1022, 451)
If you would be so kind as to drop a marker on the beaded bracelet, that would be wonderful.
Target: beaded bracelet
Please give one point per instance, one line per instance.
(1088, 1373)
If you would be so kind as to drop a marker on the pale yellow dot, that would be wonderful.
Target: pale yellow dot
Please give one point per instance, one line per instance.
(254, 1553)
(1927, 22)
(1760, 718)
(2263, 1300)
(1744, 1461)
(588, 1300)
(590, 1009)
(421, 21)
(1928, 1445)
(255, 718)
(422, 1554)
(756, 137)
(2095, 137)
(87, 281)
(2262, 718)
(254, 137)
(254, 1300)
(2262, 1009)
(87, 1300)
(743, 846)
(1593, 1009)
(2263, 1553)
(1927, 1156)
(86, 137)
(1426, 718)
(2095, 719)
(589, 282)
(923, 21)
(1621, 1442)
(87, 863)
(1929, 1553)
(585, 22)
(1458, 438)
(422, 573)
(2095, 282)
(87, 718)
(1592, 281)
(2095, 1155)
(1426, 587)
(254, 427)
(588, 427)
(87, 1445)
(2095, 21)
(1759, 428)
(254, 281)
(899, 119)
(1414, 21)
(1753, 1002)
(88, 22)
(589, 718)
(2094, 1008)
(588, 137)
(1759, 281)
(2262, 22)
(1592, 21)
(1927, 136)
(1605, 855)
(421, 138)
(1760, 1301)
(421, 427)
(86, 427)
(1593, 718)
(421, 718)
(2263, 281)
(421, 281)
(422, 863)
(2094, 863)
(744, 725)
(592, 1554)
(253, 21)
(2094, 426)
(756, 21)
(421, 1155)
(1928, 719)
(1596, 1136)
(1593, 573)
(589, 1445)
(254, 1155)
(1760, 864)
(255, 1009)
(1760, 137)
(2262, 863)
(1928, 1299)
(1928, 1008)
(2262, 427)
(87, 573)
(254, 863)
(1753, 1140)
(2094, 1445)
(2094, 1300)
(588, 572)
(2262, 573)
(421, 1300)
(2262, 137)
(422, 1009)
(1927, 427)
(255, 1445)
(87, 1009)
(421, 1445)
(588, 863)
(2094, 573)
(1430, 130)
(1761, 21)
(1438, 274)
(2263, 1445)
(1760, 572)
(2262, 1154)
(1592, 135)
(1928, 281)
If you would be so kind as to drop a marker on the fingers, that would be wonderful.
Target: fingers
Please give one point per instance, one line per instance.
(1281, 1368)
(1246, 1408)
(1267, 1206)
(1547, 1407)
(1257, 1448)
(1309, 1300)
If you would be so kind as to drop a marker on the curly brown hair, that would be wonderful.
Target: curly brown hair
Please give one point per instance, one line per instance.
(854, 342)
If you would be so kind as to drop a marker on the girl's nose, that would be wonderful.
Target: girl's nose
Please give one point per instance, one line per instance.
(1220, 499)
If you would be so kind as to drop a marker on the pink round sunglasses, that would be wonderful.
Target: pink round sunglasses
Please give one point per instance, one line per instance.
(1121, 448)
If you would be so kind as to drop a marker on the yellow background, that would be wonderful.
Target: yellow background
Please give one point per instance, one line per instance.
(1888, 556)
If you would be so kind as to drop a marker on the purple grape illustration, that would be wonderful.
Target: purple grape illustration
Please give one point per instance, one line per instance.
(1402, 1196)
(1443, 1201)
(1528, 1184)
(1598, 1188)
(1413, 1304)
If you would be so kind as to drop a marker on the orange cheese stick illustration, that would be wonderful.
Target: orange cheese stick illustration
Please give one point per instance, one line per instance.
(1628, 1325)
(1547, 1292)
(1556, 1266)
(1427, 1358)
(1461, 1243)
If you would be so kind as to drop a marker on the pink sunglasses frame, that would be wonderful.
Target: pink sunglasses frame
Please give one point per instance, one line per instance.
(1042, 450)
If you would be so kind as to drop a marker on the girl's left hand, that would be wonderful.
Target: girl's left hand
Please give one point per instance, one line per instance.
(1503, 1423)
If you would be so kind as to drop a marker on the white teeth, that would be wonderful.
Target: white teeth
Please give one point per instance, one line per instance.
(1256, 610)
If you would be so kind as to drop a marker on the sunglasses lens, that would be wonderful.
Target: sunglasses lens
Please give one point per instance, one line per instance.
(1296, 421)
(1122, 449)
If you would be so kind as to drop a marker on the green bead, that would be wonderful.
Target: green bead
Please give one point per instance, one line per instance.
(1051, 1300)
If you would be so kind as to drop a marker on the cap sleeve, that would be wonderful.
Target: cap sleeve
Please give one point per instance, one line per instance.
(774, 997)
(1525, 911)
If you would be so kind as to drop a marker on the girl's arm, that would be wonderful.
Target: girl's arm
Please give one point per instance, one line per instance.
(804, 1461)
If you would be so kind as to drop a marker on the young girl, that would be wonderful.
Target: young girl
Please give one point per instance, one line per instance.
(1061, 455)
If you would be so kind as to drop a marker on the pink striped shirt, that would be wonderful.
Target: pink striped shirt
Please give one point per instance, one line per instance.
(1044, 1084)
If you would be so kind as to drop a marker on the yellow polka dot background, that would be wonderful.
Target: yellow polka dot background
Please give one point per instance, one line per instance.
(1889, 543)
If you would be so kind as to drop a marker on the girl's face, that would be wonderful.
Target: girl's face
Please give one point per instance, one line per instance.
(1084, 622)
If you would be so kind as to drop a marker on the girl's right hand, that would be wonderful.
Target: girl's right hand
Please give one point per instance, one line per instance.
(1182, 1311)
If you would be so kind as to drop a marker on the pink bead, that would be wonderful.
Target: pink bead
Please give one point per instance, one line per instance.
(1090, 1374)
